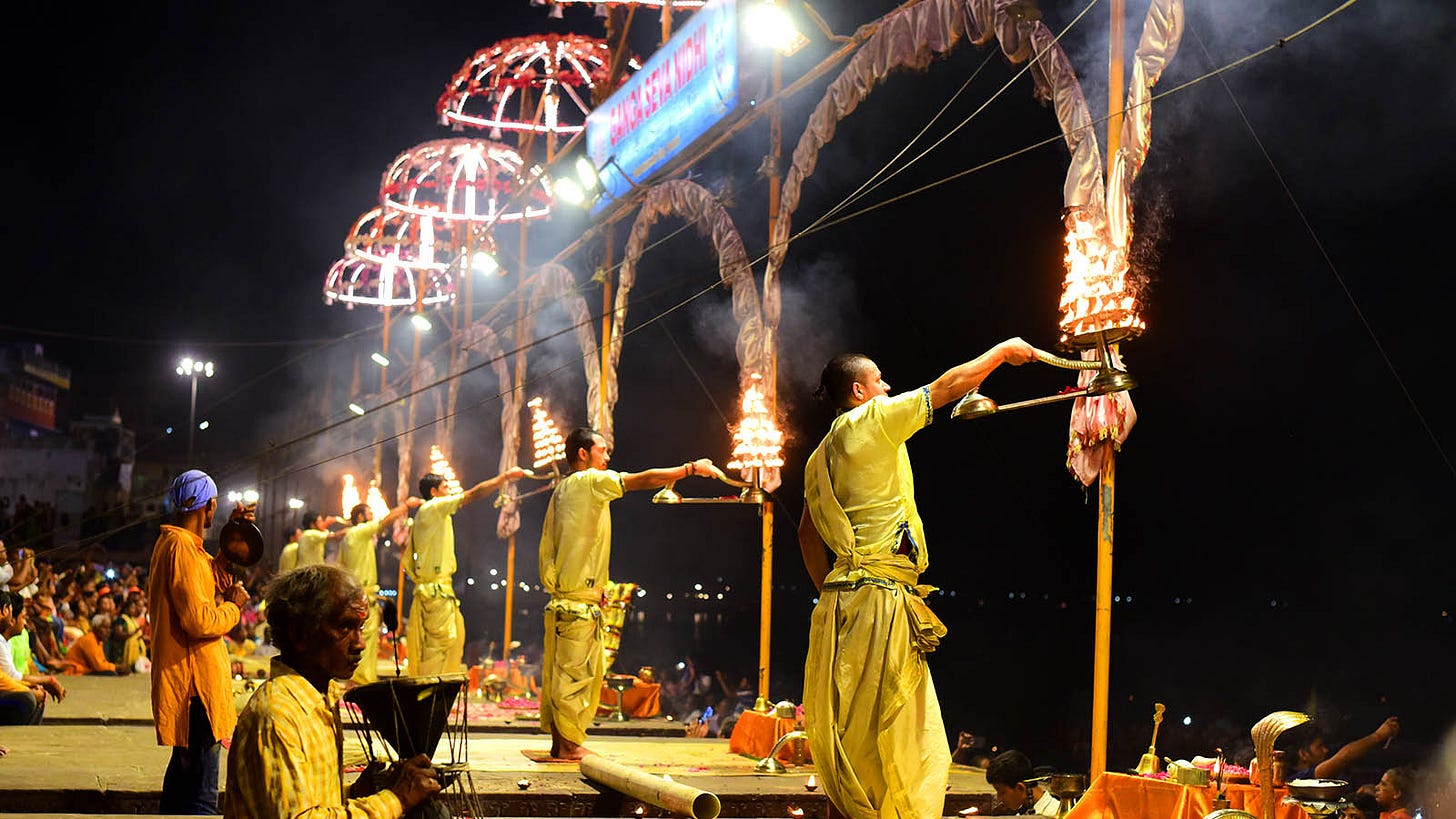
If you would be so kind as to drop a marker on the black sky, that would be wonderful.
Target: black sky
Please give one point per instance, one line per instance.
(188, 172)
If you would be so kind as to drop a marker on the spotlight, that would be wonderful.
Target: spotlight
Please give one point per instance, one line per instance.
(421, 324)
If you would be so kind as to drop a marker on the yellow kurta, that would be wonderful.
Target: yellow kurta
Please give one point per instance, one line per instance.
(870, 709)
(285, 757)
(288, 558)
(436, 631)
(311, 546)
(576, 548)
(356, 556)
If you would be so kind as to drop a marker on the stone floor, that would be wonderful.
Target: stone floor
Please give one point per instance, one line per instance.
(97, 755)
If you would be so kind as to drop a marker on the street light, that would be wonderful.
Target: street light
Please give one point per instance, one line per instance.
(190, 368)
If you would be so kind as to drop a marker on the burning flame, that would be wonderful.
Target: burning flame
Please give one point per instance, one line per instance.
(1095, 295)
(757, 442)
(350, 497)
(546, 439)
(440, 466)
(376, 501)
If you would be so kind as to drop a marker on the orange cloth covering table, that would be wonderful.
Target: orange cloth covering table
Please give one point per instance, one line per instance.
(1123, 796)
(755, 734)
(642, 701)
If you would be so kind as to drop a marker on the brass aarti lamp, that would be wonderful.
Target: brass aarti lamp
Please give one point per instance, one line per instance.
(1108, 379)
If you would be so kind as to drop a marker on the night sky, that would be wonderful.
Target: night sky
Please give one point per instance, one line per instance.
(181, 177)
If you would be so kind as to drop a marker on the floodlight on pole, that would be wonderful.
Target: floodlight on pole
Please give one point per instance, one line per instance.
(379, 359)
(586, 173)
(420, 323)
(770, 25)
(193, 369)
(485, 263)
(356, 409)
(569, 191)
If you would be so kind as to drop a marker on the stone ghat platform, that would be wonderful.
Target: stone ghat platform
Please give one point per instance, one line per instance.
(92, 758)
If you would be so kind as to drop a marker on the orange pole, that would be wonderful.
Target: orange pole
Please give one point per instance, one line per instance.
(1106, 479)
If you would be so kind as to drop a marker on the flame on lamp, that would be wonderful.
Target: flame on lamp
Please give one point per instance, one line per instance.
(375, 501)
(440, 466)
(546, 439)
(350, 497)
(757, 441)
(1096, 294)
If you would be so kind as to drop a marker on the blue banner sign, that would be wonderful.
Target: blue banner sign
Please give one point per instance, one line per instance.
(686, 88)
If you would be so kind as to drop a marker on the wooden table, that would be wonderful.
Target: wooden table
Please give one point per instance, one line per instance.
(755, 734)
(1123, 796)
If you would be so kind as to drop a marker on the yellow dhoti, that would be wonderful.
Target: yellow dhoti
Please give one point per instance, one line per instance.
(573, 667)
(436, 631)
(874, 723)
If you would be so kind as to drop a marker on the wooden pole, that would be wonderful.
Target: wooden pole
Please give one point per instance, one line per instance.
(765, 604)
(1106, 479)
(516, 398)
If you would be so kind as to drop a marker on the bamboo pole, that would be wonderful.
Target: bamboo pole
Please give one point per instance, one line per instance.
(1106, 479)
(675, 797)
(765, 604)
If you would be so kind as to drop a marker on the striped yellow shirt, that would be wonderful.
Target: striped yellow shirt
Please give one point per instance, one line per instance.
(286, 756)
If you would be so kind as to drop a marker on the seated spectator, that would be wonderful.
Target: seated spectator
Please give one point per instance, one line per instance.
(20, 707)
(1362, 806)
(284, 759)
(88, 655)
(1394, 793)
(1308, 753)
(126, 633)
(1018, 788)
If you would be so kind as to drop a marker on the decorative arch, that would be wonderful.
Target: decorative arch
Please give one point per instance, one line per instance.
(697, 205)
(910, 38)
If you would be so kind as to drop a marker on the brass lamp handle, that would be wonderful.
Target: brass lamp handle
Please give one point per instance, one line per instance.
(1066, 363)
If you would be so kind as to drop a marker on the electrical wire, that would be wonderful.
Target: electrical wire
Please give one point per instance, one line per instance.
(814, 228)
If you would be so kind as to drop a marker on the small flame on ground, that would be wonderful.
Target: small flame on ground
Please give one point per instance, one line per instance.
(1096, 296)
(811, 783)
(796, 812)
(546, 438)
(971, 811)
(757, 442)
(440, 466)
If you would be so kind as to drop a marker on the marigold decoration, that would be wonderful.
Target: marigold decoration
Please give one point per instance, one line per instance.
(440, 466)
(546, 440)
(757, 441)
(1097, 295)
(561, 71)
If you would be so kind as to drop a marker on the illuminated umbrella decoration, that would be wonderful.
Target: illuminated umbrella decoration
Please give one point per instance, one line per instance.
(601, 8)
(463, 182)
(387, 259)
(561, 70)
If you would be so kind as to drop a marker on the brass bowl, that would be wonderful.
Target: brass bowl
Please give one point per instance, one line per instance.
(1317, 790)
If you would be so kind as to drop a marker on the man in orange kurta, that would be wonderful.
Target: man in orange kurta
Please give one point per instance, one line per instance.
(192, 698)
(88, 656)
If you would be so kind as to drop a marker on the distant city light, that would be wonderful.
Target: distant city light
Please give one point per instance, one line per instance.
(169, 430)
(1188, 720)
(204, 425)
